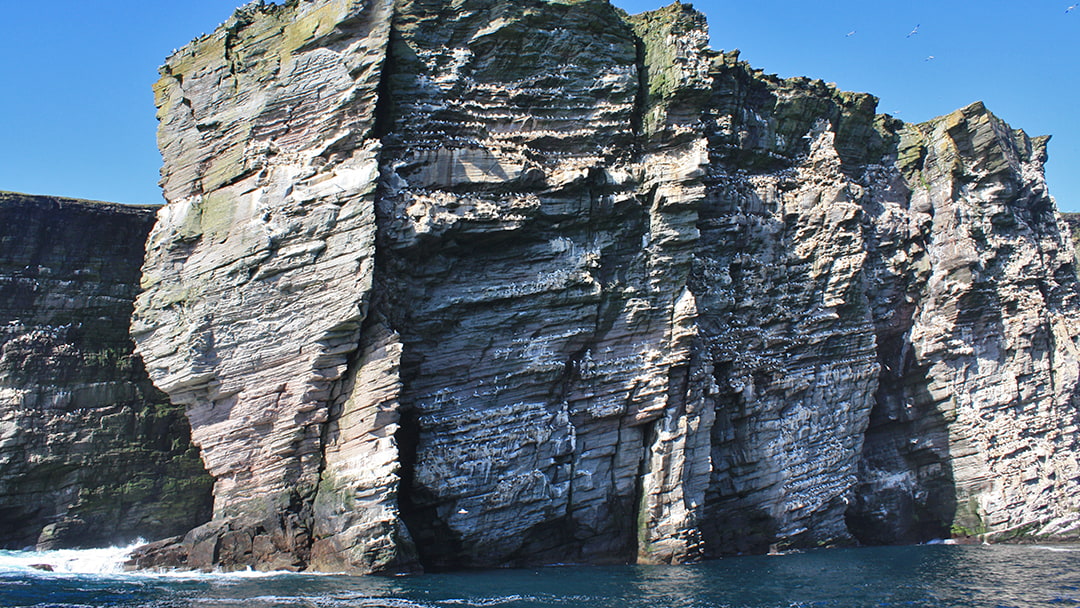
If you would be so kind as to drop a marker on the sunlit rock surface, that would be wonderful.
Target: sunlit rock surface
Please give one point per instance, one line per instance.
(258, 278)
(91, 454)
(485, 283)
(976, 424)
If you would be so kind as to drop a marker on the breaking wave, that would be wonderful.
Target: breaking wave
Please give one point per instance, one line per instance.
(109, 560)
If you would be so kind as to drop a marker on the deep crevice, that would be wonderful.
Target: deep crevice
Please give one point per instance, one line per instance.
(641, 97)
(407, 438)
(640, 521)
(906, 492)
(384, 106)
(375, 311)
(438, 548)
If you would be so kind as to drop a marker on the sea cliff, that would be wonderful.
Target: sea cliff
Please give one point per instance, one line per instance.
(492, 283)
(91, 454)
(486, 283)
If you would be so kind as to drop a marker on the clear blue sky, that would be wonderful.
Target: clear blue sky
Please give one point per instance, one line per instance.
(77, 112)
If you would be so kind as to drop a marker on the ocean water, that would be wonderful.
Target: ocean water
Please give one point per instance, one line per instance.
(918, 576)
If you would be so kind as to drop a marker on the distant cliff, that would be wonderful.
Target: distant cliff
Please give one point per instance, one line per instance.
(499, 283)
(91, 453)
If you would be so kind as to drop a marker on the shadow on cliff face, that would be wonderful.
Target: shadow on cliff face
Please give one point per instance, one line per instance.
(906, 492)
(734, 524)
(434, 540)
(93, 454)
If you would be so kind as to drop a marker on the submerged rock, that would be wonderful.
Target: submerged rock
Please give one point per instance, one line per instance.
(497, 283)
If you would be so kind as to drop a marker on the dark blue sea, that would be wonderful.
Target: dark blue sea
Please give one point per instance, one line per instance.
(990, 576)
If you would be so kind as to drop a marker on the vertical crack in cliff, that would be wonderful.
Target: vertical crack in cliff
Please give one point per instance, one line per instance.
(358, 400)
(640, 513)
(906, 492)
(437, 546)
(384, 103)
(394, 305)
(407, 438)
(641, 96)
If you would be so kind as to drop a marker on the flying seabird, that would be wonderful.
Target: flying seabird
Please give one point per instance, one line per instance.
(850, 34)
(930, 58)
(914, 31)
(1071, 8)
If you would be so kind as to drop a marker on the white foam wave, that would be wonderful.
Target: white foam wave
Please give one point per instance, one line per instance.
(109, 560)
(219, 575)
(383, 602)
(290, 600)
(1058, 549)
(489, 601)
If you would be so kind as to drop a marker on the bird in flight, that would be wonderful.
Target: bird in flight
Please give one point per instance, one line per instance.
(1071, 8)
(914, 31)
(850, 34)
(930, 58)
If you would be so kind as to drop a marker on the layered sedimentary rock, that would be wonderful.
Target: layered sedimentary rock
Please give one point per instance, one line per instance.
(976, 424)
(259, 272)
(485, 283)
(90, 452)
(1072, 221)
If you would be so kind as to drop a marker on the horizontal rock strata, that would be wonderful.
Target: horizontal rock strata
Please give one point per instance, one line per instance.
(91, 453)
(484, 283)
(977, 422)
(258, 275)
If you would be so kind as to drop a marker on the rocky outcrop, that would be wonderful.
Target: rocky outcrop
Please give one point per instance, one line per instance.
(91, 453)
(259, 273)
(1072, 221)
(497, 283)
(976, 421)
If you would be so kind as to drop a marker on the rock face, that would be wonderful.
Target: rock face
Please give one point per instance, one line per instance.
(258, 275)
(497, 283)
(976, 418)
(91, 453)
(1072, 221)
